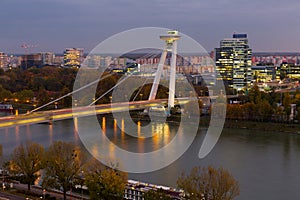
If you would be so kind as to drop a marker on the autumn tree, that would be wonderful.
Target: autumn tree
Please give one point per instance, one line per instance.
(234, 111)
(156, 194)
(42, 96)
(4, 94)
(105, 183)
(209, 183)
(27, 160)
(286, 102)
(265, 110)
(62, 165)
(254, 94)
(24, 95)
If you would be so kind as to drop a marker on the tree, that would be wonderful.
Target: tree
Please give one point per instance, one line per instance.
(27, 160)
(63, 164)
(209, 183)
(255, 94)
(42, 96)
(67, 101)
(156, 194)
(287, 100)
(104, 182)
(24, 95)
(234, 111)
(265, 110)
(297, 99)
(4, 94)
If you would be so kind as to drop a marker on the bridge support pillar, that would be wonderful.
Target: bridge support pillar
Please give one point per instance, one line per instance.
(170, 46)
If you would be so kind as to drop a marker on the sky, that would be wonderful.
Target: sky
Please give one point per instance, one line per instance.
(53, 25)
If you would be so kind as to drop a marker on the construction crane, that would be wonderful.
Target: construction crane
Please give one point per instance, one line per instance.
(26, 48)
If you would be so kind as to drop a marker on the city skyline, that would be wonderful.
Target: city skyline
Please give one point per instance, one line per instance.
(55, 25)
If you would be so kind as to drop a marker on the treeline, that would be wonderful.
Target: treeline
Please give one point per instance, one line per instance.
(64, 165)
(41, 85)
(36, 85)
(263, 106)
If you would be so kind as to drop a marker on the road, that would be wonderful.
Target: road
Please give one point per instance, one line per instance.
(39, 191)
(7, 196)
(61, 114)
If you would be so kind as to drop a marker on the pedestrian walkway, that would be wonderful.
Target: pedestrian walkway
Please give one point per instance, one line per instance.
(53, 193)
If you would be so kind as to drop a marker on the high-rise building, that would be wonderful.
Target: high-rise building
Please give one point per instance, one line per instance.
(32, 60)
(289, 70)
(3, 60)
(48, 58)
(73, 57)
(233, 62)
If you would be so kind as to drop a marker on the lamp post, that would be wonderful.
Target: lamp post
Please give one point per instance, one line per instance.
(81, 184)
(3, 184)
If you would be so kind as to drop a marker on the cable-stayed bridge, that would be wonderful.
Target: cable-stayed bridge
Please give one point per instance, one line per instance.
(36, 116)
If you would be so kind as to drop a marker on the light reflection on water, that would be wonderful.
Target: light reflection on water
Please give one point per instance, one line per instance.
(265, 163)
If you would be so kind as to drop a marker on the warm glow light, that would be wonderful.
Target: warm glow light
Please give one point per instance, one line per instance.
(104, 125)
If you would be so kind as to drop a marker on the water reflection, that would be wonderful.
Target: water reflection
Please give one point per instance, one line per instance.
(265, 163)
(17, 129)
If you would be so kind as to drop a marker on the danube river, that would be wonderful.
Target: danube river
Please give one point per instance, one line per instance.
(266, 164)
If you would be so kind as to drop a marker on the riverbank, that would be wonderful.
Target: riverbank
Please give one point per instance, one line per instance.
(236, 124)
(264, 126)
(256, 125)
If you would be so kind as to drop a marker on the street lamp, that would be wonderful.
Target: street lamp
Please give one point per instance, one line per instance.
(81, 184)
(3, 184)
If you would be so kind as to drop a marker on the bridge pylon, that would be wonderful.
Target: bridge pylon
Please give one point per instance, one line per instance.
(170, 46)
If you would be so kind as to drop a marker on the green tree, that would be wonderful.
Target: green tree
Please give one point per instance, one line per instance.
(209, 183)
(27, 160)
(104, 183)
(62, 165)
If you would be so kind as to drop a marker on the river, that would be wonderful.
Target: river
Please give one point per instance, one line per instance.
(266, 164)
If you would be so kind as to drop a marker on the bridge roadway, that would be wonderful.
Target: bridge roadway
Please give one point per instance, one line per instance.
(61, 114)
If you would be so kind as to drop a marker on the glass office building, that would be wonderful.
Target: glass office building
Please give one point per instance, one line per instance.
(233, 62)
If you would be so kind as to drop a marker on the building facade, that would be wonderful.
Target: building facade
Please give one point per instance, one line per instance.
(233, 62)
(32, 60)
(135, 190)
(3, 60)
(263, 74)
(48, 58)
(289, 70)
(73, 57)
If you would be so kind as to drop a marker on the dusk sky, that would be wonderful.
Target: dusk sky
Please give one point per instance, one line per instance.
(53, 25)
